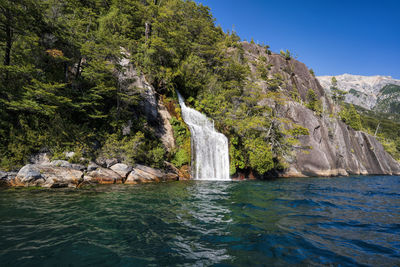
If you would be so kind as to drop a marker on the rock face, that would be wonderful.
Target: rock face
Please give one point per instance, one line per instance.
(47, 176)
(151, 104)
(371, 92)
(332, 148)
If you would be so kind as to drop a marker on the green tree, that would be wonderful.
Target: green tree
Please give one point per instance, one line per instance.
(337, 95)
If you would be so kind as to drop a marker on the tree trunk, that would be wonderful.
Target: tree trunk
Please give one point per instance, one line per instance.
(78, 68)
(147, 31)
(7, 54)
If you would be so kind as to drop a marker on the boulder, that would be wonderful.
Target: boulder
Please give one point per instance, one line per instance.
(5, 178)
(40, 158)
(3, 174)
(92, 166)
(122, 169)
(144, 174)
(47, 176)
(102, 176)
(60, 163)
(111, 162)
(101, 162)
(69, 154)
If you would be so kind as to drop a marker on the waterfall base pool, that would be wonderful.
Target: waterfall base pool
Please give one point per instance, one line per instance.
(300, 221)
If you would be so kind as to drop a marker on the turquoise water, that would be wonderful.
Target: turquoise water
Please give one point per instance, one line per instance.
(302, 221)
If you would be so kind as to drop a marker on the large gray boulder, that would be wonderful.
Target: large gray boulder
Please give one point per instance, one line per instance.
(103, 176)
(122, 169)
(47, 176)
(143, 174)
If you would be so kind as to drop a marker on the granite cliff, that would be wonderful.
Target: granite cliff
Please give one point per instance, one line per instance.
(333, 148)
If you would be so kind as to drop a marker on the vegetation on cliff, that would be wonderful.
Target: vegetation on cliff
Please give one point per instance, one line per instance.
(59, 86)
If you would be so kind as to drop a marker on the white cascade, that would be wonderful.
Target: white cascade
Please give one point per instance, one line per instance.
(210, 153)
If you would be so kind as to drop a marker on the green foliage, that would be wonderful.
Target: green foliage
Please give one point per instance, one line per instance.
(182, 137)
(287, 55)
(260, 155)
(60, 86)
(390, 89)
(133, 149)
(298, 131)
(313, 102)
(387, 129)
(350, 116)
(337, 95)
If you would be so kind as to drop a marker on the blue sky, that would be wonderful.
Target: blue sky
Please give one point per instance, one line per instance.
(330, 36)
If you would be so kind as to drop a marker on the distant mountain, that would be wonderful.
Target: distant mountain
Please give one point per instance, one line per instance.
(377, 93)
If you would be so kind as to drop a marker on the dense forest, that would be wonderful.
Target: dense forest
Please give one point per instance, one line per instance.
(59, 86)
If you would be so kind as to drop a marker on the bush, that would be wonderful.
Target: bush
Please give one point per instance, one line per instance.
(350, 116)
(313, 102)
(134, 149)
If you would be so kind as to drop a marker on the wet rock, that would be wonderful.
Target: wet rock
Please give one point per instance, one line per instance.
(122, 169)
(103, 176)
(5, 178)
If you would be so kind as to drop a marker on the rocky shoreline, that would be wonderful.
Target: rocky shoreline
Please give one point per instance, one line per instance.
(61, 173)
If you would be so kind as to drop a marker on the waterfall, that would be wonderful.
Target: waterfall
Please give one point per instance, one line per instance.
(210, 154)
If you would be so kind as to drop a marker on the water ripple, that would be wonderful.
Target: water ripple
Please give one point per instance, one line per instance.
(305, 222)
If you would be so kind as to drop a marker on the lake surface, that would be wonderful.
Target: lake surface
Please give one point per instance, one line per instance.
(300, 221)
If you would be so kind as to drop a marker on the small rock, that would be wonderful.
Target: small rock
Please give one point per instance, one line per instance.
(40, 158)
(111, 162)
(121, 169)
(3, 174)
(69, 154)
(170, 167)
(5, 179)
(92, 166)
(61, 163)
(101, 162)
(78, 167)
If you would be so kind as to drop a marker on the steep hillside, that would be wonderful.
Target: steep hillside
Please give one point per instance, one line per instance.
(331, 147)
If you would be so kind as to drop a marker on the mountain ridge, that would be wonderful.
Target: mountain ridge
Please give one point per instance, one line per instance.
(364, 91)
